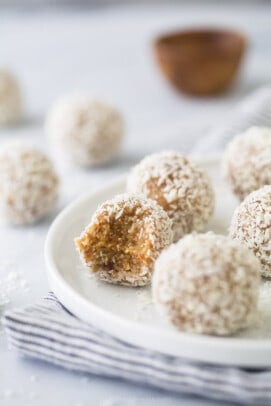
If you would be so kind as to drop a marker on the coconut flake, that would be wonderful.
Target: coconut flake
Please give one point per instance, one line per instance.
(179, 185)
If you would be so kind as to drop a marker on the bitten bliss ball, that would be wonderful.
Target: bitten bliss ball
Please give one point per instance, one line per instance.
(10, 98)
(88, 131)
(251, 225)
(125, 236)
(247, 161)
(179, 185)
(28, 183)
(207, 284)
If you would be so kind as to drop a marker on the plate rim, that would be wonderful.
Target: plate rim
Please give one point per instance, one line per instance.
(79, 305)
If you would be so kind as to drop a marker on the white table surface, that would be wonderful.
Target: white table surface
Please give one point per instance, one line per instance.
(106, 52)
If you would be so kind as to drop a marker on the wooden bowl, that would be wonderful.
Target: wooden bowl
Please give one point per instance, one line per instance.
(200, 62)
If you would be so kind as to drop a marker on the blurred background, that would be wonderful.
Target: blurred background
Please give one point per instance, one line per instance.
(105, 48)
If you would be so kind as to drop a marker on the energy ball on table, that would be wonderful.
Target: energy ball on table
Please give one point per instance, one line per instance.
(28, 183)
(88, 131)
(179, 185)
(125, 236)
(10, 98)
(207, 284)
(251, 225)
(247, 161)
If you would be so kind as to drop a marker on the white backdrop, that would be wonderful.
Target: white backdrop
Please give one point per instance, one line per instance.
(108, 53)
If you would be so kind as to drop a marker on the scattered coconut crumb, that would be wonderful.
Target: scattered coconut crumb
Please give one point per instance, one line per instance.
(9, 285)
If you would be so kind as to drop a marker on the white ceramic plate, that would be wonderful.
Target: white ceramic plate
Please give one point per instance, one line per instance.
(128, 313)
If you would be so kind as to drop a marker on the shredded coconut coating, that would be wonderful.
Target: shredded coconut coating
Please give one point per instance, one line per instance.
(207, 284)
(251, 225)
(10, 98)
(247, 161)
(122, 241)
(28, 183)
(88, 131)
(179, 185)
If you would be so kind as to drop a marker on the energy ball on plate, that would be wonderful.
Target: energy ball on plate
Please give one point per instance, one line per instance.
(10, 98)
(247, 161)
(88, 131)
(179, 185)
(251, 225)
(207, 284)
(28, 183)
(125, 236)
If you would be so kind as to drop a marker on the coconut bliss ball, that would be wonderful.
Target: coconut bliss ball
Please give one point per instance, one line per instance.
(10, 98)
(179, 185)
(251, 225)
(247, 161)
(122, 241)
(28, 183)
(207, 284)
(88, 131)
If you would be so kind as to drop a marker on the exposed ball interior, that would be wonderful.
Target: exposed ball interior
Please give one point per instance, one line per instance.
(207, 284)
(123, 239)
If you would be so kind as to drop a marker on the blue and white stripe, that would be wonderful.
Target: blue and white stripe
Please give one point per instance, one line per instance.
(47, 331)
(254, 110)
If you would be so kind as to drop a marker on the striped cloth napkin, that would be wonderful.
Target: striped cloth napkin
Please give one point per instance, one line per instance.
(254, 110)
(49, 332)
